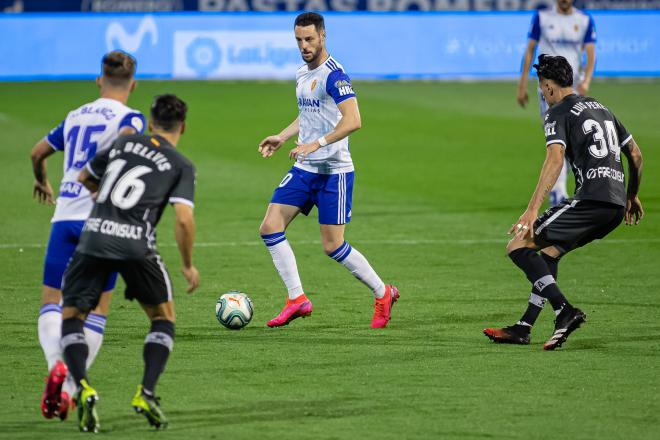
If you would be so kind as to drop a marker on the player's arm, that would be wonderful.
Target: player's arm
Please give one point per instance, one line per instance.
(90, 176)
(184, 232)
(271, 144)
(88, 180)
(182, 198)
(523, 96)
(589, 47)
(583, 87)
(634, 210)
(554, 161)
(42, 191)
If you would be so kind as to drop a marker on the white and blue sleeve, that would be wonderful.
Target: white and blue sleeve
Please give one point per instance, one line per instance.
(56, 137)
(338, 85)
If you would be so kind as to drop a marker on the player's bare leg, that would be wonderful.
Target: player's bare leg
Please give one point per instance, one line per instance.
(60, 386)
(336, 247)
(157, 347)
(272, 230)
(559, 193)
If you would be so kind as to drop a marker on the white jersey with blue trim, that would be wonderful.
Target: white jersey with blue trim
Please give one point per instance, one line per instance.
(86, 131)
(318, 92)
(565, 35)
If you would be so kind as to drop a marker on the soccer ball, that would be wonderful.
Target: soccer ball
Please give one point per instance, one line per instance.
(234, 310)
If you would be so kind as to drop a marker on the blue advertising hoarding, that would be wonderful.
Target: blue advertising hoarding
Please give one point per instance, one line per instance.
(262, 46)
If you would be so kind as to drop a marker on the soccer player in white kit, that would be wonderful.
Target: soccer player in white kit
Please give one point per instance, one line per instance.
(322, 175)
(563, 30)
(86, 131)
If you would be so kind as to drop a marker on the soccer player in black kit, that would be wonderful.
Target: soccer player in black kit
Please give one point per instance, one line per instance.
(592, 139)
(134, 180)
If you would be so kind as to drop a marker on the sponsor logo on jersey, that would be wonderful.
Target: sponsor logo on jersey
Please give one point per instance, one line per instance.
(344, 87)
(550, 128)
(70, 189)
(313, 85)
(308, 102)
(605, 172)
(137, 124)
(112, 228)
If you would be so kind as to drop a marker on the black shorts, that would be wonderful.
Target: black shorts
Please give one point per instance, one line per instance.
(146, 280)
(574, 223)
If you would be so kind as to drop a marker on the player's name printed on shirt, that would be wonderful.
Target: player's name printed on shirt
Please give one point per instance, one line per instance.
(584, 105)
(137, 148)
(112, 228)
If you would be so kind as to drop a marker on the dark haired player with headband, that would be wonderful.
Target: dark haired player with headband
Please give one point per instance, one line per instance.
(593, 139)
(134, 181)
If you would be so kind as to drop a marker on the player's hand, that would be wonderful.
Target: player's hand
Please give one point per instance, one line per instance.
(270, 145)
(634, 211)
(583, 88)
(192, 276)
(43, 192)
(303, 150)
(523, 97)
(524, 226)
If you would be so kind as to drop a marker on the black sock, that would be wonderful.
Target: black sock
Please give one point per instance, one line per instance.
(157, 347)
(552, 263)
(536, 301)
(539, 275)
(74, 347)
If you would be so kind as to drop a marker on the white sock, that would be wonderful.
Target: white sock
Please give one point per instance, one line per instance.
(359, 267)
(94, 328)
(285, 262)
(50, 331)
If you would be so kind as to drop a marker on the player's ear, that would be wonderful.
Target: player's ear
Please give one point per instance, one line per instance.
(133, 86)
(99, 82)
(183, 127)
(150, 126)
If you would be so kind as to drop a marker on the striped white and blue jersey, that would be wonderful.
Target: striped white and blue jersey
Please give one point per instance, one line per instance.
(565, 35)
(86, 131)
(319, 91)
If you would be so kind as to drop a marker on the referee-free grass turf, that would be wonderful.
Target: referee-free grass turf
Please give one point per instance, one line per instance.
(442, 170)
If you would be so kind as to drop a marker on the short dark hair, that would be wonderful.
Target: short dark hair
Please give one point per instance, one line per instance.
(556, 68)
(168, 112)
(118, 67)
(310, 18)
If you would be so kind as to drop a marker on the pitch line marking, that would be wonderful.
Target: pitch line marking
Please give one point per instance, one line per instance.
(403, 242)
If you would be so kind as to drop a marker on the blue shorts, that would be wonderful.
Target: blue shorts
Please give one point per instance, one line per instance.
(64, 237)
(332, 194)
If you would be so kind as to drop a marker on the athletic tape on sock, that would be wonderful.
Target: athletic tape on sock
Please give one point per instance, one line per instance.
(537, 300)
(71, 339)
(544, 282)
(160, 338)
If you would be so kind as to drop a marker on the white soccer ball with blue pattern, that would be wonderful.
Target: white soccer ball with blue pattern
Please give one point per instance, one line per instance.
(234, 310)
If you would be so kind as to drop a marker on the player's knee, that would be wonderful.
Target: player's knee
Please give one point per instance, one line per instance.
(104, 304)
(270, 227)
(329, 246)
(50, 295)
(514, 244)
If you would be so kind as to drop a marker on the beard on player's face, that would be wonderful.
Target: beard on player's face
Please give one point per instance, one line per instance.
(310, 43)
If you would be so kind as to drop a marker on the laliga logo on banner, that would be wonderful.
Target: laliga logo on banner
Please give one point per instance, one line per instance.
(130, 42)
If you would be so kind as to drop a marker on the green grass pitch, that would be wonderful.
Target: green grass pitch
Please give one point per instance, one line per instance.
(443, 169)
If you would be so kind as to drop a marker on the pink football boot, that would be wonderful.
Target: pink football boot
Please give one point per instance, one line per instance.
(383, 307)
(301, 307)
